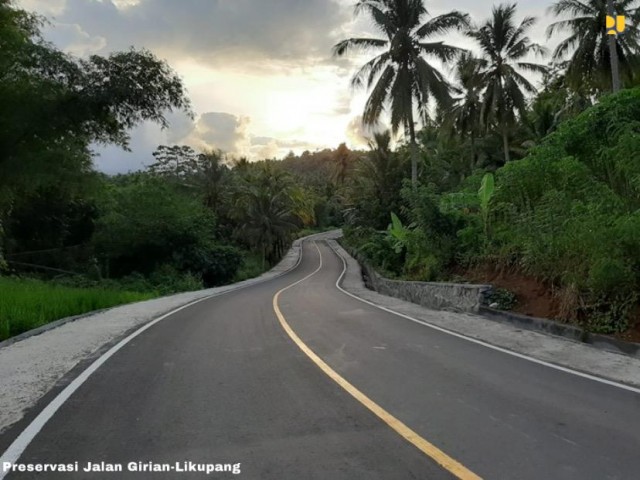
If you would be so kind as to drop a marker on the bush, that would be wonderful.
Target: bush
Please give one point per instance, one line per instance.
(213, 264)
(148, 224)
(377, 248)
(167, 280)
(567, 213)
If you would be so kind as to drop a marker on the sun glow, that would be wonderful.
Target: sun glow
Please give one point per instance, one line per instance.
(307, 109)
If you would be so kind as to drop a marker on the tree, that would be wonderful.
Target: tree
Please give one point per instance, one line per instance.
(212, 172)
(263, 210)
(148, 223)
(465, 115)
(176, 161)
(378, 181)
(588, 42)
(54, 106)
(401, 77)
(505, 47)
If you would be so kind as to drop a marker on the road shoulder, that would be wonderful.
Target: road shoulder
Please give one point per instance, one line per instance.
(538, 346)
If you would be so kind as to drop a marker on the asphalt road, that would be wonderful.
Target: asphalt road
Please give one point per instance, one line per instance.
(223, 382)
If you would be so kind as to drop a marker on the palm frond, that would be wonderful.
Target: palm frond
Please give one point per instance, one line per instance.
(376, 9)
(378, 97)
(349, 44)
(443, 24)
(370, 71)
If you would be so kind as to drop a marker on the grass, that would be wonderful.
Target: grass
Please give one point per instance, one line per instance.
(26, 304)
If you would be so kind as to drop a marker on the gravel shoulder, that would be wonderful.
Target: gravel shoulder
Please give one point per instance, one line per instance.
(540, 346)
(32, 366)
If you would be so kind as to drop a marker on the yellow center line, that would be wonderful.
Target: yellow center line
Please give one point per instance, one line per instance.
(433, 452)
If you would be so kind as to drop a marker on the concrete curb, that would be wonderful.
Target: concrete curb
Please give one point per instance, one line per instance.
(562, 330)
(542, 325)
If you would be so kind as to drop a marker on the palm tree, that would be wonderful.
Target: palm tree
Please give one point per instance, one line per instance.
(378, 181)
(505, 47)
(263, 208)
(589, 42)
(212, 178)
(401, 75)
(465, 116)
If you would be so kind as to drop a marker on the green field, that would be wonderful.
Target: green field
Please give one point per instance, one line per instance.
(27, 304)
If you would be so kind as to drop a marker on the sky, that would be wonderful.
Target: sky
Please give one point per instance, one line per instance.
(259, 73)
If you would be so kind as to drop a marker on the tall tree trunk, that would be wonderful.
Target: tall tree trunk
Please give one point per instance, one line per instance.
(613, 53)
(415, 154)
(505, 144)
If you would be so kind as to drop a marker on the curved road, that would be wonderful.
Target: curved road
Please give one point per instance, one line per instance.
(223, 382)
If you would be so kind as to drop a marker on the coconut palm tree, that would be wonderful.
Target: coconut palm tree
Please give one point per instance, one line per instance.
(400, 77)
(376, 186)
(505, 48)
(464, 118)
(588, 41)
(264, 210)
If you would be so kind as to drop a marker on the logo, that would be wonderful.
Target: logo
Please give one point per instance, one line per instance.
(615, 25)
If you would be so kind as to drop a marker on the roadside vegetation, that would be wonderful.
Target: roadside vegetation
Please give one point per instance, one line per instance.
(26, 303)
(517, 166)
(533, 187)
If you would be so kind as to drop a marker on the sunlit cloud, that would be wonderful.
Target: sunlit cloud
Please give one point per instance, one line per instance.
(260, 73)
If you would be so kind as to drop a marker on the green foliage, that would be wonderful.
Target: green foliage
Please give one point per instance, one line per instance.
(505, 46)
(46, 94)
(376, 248)
(27, 304)
(264, 209)
(504, 299)
(375, 191)
(606, 139)
(251, 266)
(568, 212)
(485, 194)
(398, 233)
(149, 223)
(166, 279)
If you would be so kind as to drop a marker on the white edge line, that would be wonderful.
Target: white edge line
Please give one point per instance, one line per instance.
(19, 445)
(480, 342)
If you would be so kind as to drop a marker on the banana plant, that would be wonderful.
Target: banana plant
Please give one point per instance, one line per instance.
(399, 233)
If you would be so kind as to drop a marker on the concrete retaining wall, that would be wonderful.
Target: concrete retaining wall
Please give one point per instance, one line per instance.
(456, 297)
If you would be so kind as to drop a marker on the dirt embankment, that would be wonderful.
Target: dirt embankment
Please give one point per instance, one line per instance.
(534, 297)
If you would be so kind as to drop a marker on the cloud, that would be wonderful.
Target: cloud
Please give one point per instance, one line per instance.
(217, 31)
(145, 138)
(218, 130)
(357, 134)
(76, 40)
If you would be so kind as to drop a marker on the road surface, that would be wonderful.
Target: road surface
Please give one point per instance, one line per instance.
(224, 382)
